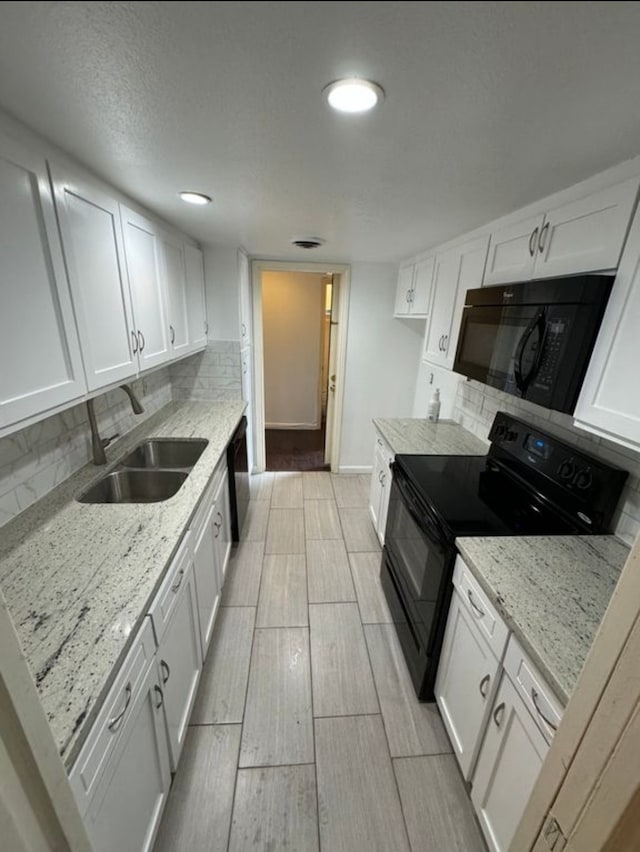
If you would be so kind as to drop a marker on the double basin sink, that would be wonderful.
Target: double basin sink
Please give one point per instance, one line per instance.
(153, 471)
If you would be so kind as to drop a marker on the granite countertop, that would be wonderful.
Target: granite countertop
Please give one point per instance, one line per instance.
(415, 436)
(78, 578)
(552, 592)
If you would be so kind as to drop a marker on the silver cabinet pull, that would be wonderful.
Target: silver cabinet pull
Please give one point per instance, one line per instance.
(177, 585)
(498, 711)
(543, 234)
(244, 330)
(532, 241)
(406, 298)
(384, 479)
(380, 477)
(140, 341)
(411, 291)
(245, 367)
(484, 685)
(534, 698)
(160, 695)
(476, 608)
(172, 333)
(206, 327)
(220, 516)
(445, 343)
(134, 342)
(114, 724)
(166, 671)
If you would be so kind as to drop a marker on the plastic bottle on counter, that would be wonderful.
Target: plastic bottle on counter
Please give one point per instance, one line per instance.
(433, 409)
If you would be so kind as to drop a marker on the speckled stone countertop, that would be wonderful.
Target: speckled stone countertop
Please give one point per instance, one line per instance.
(416, 436)
(78, 578)
(552, 591)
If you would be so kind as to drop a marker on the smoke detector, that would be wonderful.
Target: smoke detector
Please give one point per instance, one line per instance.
(308, 242)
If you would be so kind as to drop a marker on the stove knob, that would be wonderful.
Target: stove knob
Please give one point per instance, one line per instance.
(583, 479)
(567, 469)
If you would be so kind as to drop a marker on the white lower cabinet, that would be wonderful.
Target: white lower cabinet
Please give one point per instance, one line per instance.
(174, 614)
(380, 486)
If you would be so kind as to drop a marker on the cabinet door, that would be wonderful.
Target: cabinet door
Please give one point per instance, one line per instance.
(179, 663)
(512, 251)
(206, 574)
(197, 315)
(465, 684)
(445, 283)
(607, 405)
(125, 811)
(222, 527)
(510, 759)
(404, 289)
(39, 349)
(473, 256)
(142, 254)
(175, 286)
(586, 235)
(246, 310)
(421, 291)
(375, 489)
(94, 254)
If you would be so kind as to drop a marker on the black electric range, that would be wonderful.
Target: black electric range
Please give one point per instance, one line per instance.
(529, 483)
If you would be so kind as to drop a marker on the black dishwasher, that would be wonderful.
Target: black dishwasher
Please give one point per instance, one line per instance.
(237, 464)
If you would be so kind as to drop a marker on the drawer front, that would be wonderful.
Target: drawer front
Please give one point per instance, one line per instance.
(165, 601)
(537, 696)
(105, 733)
(476, 602)
(206, 501)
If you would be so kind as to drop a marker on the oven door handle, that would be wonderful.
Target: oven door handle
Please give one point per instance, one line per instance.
(420, 513)
(539, 324)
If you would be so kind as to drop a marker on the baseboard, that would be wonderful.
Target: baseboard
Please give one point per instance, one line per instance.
(355, 469)
(292, 426)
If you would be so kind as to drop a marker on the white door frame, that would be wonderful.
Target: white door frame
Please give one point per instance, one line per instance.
(344, 271)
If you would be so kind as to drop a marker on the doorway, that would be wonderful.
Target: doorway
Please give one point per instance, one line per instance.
(300, 344)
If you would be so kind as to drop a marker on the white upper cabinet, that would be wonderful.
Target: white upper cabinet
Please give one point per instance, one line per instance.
(175, 284)
(585, 235)
(39, 350)
(608, 404)
(246, 310)
(142, 252)
(413, 291)
(456, 270)
(94, 254)
(196, 309)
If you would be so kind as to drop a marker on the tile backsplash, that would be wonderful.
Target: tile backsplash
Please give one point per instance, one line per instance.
(36, 459)
(476, 406)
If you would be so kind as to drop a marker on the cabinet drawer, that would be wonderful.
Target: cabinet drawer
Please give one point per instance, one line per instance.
(165, 601)
(485, 615)
(107, 729)
(538, 697)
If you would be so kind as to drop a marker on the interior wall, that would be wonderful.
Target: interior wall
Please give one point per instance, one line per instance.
(221, 289)
(292, 313)
(381, 365)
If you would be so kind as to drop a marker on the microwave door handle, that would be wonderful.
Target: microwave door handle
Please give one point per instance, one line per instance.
(537, 323)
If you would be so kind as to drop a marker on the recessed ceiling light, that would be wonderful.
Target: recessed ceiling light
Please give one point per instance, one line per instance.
(353, 95)
(195, 197)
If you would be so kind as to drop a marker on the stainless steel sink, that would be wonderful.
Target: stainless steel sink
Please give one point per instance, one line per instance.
(167, 453)
(135, 486)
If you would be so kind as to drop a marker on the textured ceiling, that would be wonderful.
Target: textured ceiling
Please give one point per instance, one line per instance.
(489, 106)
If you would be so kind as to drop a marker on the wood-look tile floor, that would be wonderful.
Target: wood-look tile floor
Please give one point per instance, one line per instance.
(306, 734)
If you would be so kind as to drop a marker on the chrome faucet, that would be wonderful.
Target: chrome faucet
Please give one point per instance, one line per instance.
(99, 444)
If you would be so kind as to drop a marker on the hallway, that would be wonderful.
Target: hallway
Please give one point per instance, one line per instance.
(306, 734)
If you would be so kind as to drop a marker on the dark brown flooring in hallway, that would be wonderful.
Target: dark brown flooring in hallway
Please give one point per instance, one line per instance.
(295, 449)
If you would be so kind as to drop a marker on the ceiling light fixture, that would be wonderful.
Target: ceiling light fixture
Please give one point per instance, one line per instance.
(195, 197)
(307, 242)
(353, 95)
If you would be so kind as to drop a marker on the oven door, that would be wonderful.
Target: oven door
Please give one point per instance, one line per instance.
(416, 577)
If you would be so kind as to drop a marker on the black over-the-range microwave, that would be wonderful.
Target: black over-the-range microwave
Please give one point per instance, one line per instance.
(533, 339)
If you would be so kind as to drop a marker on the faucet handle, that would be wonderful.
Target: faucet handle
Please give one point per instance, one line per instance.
(110, 440)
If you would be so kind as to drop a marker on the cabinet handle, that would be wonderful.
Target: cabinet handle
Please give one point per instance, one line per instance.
(206, 327)
(134, 344)
(532, 241)
(140, 341)
(172, 334)
(411, 292)
(177, 585)
(445, 343)
(440, 343)
(534, 698)
(379, 442)
(484, 685)
(244, 330)
(115, 723)
(220, 516)
(406, 298)
(160, 693)
(543, 234)
(384, 479)
(217, 532)
(245, 367)
(499, 710)
(478, 609)
(166, 671)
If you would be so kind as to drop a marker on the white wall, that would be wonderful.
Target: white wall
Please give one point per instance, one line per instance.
(292, 314)
(382, 360)
(221, 282)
